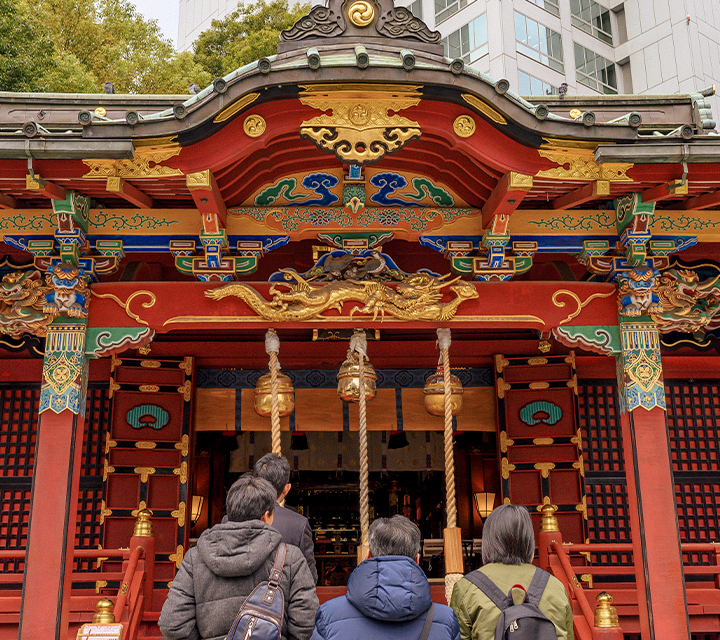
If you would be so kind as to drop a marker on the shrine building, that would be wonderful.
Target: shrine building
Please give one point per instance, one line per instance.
(432, 295)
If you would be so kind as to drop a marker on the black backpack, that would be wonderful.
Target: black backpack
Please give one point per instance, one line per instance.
(261, 614)
(522, 621)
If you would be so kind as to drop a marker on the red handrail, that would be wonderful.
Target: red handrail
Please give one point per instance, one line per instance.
(137, 552)
(576, 593)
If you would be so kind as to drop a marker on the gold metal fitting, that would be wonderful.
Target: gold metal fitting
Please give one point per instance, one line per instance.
(548, 522)
(105, 615)
(434, 391)
(349, 378)
(263, 395)
(143, 526)
(605, 615)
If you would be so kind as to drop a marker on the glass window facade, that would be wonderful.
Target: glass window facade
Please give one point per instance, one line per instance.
(539, 42)
(469, 42)
(549, 5)
(593, 18)
(416, 8)
(532, 86)
(594, 71)
(446, 8)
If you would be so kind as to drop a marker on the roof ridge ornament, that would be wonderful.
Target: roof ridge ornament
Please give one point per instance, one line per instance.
(355, 18)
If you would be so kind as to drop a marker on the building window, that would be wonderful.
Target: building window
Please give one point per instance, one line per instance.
(532, 86)
(469, 42)
(446, 8)
(593, 18)
(594, 71)
(539, 42)
(549, 5)
(416, 8)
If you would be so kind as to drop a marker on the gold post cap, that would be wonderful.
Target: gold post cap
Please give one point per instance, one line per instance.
(605, 615)
(104, 613)
(143, 526)
(548, 522)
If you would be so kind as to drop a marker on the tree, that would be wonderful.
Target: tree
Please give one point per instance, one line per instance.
(100, 40)
(247, 34)
(26, 49)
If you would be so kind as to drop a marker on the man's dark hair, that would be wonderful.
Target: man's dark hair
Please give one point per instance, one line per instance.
(508, 536)
(275, 469)
(395, 536)
(249, 498)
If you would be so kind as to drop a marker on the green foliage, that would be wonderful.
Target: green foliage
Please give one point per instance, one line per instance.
(247, 34)
(75, 46)
(26, 49)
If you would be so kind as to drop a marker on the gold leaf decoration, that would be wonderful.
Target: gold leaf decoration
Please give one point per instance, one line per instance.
(145, 164)
(360, 129)
(484, 108)
(579, 164)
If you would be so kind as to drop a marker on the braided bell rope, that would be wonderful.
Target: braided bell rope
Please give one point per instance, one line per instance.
(272, 348)
(450, 580)
(359, 344)
(450, 502)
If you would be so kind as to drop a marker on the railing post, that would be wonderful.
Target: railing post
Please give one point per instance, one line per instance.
(104, 615)
(549, 532)
(607, 624)
(144, 536)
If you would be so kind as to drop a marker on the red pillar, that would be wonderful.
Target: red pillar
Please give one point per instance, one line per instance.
(650, 485)
(56, 477)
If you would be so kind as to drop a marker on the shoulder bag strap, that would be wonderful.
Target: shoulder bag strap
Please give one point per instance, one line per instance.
(537, 586)
(489, 588)
(428, 622)
(273, 584)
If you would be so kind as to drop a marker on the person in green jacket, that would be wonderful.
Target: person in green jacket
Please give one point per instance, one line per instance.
(508, 547)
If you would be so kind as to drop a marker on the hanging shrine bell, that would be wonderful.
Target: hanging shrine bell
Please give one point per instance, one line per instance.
(349, 378)
(263, 395)
(435, 394)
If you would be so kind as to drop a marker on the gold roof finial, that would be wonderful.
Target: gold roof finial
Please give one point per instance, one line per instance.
(605, 615)
(104, 613)
(548, 522)
(143, 526)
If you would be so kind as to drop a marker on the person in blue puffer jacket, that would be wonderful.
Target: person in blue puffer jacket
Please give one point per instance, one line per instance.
(388, 594)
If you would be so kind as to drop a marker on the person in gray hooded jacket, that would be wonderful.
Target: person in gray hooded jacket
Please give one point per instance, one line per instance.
(229, 561)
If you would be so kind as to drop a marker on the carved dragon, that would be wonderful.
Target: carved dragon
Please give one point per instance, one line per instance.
(22, 296)
(688, 305)
(416, 298)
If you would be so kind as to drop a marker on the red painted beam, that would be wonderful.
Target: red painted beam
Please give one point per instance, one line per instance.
(173, 306)
(48, 189)
(206, 193)
(665, 191)
(587, 193)
(705, 201)
(6, 202)
(506, 197)
(129, 193)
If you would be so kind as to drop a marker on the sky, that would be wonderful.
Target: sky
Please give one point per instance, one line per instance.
(166, 12)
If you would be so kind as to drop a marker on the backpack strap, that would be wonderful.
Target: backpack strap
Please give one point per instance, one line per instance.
(537, 586)
(489, 588)
(275, 575)
(428, 622)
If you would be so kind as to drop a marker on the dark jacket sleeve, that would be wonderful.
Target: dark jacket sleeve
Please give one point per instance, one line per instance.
(177, 620)
(302, 600)
(307, 546)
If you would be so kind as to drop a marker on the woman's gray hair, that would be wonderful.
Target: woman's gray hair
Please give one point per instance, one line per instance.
(395, 536)
(249, 498)
(508, 536)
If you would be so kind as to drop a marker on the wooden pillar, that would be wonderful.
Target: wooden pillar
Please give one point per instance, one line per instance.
(651, 492)
(56, 476)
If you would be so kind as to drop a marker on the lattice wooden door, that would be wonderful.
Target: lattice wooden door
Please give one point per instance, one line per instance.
(146, 462)
(540, 445)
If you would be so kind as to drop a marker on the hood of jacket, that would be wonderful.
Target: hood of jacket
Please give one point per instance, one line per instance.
(237, 548)
(389, 588)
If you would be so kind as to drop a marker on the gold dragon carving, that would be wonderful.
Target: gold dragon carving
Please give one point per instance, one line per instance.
(418, 297)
